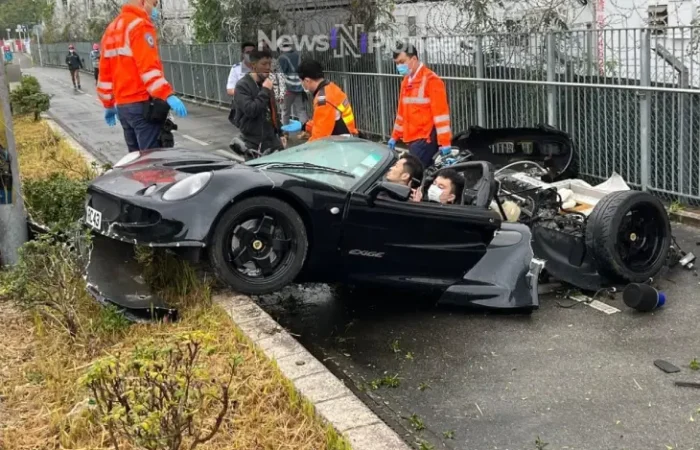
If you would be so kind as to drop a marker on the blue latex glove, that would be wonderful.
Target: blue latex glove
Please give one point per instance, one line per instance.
(392, 144)
(444, 151)
(294, 125)
(177, 106)
(111, 116)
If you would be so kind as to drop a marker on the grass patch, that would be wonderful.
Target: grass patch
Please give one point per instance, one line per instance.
(54, 334)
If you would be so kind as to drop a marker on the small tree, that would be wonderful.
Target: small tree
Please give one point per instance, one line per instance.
(28, 98)
(162, 395)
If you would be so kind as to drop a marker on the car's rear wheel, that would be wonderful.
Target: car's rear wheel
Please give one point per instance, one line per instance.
(629, 235)
(259, 246)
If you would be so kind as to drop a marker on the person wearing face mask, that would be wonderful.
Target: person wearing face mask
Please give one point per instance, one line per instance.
(423, 114)
(238, 71)
(74, 64)
(95, 58)
(131, 83)
(333, 113)
(257, 114)
(295, 98)
(447, 188)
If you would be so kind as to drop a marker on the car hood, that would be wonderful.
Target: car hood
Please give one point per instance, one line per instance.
(160, 168)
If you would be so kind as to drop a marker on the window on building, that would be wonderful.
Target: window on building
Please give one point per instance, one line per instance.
(412, 27)
(65, 3)
(658, 18)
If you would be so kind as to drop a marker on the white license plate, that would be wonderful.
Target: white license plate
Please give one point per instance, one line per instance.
(93, 218)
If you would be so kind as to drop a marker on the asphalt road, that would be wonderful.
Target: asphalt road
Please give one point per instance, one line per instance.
(577, 378)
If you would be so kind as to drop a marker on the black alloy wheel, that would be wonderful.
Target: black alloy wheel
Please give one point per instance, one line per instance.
(259, 246)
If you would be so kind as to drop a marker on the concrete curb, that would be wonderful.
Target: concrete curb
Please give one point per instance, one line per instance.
(72, 142)
(685, 217)
(333, 401)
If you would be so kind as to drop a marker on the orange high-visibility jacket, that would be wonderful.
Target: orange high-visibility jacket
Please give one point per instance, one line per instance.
(422, 106)
(130, 66)
(332, 113)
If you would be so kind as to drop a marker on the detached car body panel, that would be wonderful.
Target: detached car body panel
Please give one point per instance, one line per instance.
(314, 213)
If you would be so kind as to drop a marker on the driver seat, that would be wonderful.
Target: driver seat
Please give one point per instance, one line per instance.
(480, 185)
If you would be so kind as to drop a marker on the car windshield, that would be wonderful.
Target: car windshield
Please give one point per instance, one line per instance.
(338, 161)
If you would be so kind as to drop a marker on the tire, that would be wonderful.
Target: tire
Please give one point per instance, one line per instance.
(244, 222)
(626, 245)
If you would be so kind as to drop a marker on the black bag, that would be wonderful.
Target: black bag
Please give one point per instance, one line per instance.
(167, 139)
(156, 110)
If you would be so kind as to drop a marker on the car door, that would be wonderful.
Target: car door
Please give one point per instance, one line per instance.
(406, 242)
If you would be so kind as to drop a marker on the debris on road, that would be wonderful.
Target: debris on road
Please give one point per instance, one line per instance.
(666, 366)
(643, 297)
(687, 384)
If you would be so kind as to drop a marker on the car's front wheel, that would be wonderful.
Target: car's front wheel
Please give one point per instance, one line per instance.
(259, 246)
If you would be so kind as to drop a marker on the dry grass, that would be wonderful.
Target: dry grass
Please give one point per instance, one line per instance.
(42, 152)
(42, 405)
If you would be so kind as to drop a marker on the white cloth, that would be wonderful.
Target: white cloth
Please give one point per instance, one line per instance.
(237, 72)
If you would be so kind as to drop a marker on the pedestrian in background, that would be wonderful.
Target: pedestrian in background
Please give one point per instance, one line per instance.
(294, 99)
(74, 64)
(277, 76)
(95, 58)
(423, 114)
(131, 82)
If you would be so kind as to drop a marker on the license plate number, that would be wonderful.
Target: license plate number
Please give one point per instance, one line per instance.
(93, 218)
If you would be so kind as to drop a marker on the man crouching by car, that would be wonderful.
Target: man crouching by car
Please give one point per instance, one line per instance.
(257, 115)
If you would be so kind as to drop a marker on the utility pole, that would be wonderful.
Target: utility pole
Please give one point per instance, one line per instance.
(13, 219)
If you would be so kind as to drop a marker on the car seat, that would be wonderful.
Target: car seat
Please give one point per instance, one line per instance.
(480, 186)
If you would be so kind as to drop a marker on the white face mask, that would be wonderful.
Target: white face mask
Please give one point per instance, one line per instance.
(434, 193)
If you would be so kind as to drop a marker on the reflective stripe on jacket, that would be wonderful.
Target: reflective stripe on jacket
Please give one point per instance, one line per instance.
(130, 66)
(333, 113)
(422, 106)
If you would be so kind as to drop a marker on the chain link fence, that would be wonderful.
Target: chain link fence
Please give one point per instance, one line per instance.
(630, 98)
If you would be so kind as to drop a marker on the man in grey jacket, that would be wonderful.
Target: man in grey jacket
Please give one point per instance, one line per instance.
(257, 115)
(294, 97)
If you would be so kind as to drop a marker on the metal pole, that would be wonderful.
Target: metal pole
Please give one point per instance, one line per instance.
(13, 219)
(480, 94)
(551, 90)
(382, 96)
(645, 109)
(38, 44)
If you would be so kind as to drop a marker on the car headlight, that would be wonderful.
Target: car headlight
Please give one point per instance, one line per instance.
(187, 187)
(130, 157)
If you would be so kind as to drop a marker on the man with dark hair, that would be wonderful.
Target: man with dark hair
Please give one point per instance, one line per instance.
(407, 170)
(257, 114)
(294, 99)
(238, 71)
(447, 188)
(423, 114)
(333, 114)
(74, 63)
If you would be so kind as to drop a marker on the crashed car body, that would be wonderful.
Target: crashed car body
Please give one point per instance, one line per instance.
(317, 212)
(591, 237)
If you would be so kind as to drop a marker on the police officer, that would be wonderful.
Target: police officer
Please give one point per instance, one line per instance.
(131, 82)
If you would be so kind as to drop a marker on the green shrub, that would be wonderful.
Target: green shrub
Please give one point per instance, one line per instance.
(28, 98)
(162, 394)
(57, 202)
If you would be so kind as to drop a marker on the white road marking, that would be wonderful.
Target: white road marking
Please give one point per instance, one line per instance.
(190, 138)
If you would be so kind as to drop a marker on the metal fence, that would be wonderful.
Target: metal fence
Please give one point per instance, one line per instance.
(630, 98)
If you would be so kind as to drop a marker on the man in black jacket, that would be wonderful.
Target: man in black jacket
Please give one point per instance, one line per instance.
(257, 114)
(74, 64)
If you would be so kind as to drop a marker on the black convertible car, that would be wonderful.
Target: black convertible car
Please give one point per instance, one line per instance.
(314, 213)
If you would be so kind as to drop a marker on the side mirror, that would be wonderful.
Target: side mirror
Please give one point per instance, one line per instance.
(395, 191)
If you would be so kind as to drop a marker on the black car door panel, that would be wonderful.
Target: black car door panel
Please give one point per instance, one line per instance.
(393, 240)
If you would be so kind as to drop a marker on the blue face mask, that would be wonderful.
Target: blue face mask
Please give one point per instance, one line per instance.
(155, 14)
(402, 69)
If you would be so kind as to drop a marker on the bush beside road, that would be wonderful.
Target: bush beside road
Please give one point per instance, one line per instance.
(60, 348)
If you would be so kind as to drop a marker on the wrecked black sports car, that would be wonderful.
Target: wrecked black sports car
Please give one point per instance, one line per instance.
(314, 213)
(591, 237)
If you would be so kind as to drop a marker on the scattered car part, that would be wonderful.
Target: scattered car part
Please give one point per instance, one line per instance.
(687, 384)
(666, 366)
(687, 261)
(642, 297)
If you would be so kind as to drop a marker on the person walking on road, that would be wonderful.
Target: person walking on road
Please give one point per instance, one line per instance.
(131, 83)
(423, 114)
(95, 58)
(74, 64)
(295, 98)
(333, 113)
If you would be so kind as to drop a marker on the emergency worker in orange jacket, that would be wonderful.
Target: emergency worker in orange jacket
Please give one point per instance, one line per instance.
(423, 114)
(333, 113)
(131, 83)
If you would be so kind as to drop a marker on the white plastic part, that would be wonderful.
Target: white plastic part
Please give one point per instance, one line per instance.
(130, 157)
